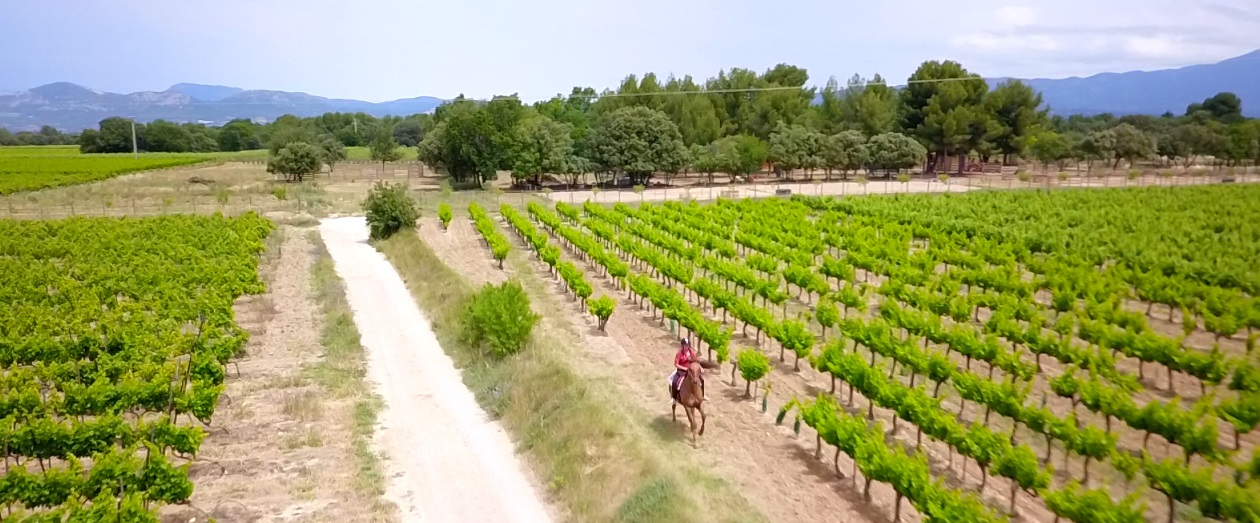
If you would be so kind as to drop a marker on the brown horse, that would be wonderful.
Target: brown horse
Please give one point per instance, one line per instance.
(691, 396)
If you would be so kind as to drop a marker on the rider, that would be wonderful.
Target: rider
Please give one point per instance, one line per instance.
(682, 361)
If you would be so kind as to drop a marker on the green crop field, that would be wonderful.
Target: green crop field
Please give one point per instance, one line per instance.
(38, 150)
(115, 336)
(1111, 330)
(43, 167)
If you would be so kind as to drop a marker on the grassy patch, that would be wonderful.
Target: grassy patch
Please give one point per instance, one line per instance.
(589, 453)
(343, 369)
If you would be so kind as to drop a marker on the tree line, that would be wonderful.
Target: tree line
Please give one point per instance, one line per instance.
(739, 121)
(47, 135)
(113, 134)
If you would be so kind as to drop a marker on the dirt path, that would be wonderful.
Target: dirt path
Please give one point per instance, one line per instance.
(446, 461)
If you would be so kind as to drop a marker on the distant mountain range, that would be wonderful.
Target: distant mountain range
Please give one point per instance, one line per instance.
(1153, 92)
(72, 107)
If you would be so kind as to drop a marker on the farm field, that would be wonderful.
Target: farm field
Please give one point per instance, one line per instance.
(1026, 355)
(180, 367)
(116, 337)
(44, 167)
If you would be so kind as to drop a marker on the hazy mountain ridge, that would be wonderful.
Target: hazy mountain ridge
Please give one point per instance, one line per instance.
(72, 107)
(1153, 92)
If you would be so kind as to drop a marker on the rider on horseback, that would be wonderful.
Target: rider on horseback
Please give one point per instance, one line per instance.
(682, 361)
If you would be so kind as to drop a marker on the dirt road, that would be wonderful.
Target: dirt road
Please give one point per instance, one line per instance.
(445, 461)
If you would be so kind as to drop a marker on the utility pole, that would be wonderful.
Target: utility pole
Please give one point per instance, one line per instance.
(135, 152)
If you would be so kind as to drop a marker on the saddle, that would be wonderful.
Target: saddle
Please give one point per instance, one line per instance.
(675, 386)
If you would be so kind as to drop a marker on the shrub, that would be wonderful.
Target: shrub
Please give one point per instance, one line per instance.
(389, 209)
(445, 214)
(498, 318)
(602, 308)
(753, 365)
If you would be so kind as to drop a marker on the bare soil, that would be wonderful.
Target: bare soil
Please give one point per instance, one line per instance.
(281, 446)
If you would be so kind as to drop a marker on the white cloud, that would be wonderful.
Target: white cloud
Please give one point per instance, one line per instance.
(1007, 44)
(1080, 37)
(1016, 15)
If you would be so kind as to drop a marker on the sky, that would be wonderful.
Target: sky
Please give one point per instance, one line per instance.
(377, 50)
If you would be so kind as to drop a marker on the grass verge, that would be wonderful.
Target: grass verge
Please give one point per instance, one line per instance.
(342, 372)
(590, 453)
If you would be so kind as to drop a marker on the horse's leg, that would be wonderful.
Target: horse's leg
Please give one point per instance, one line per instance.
(691, 420)
(673, 409)
(703, 417)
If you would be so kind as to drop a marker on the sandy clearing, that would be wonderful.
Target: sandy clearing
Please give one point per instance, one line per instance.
(446, 460)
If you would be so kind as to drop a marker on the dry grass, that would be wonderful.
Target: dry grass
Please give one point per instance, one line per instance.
(304, 406)
(310, 437)
(343, 369)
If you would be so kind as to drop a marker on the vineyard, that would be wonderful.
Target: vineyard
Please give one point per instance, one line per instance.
(34, 168)
(114, 340)
(1077, 355)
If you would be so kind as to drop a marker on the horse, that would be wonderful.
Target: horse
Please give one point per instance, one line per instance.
(691, 397)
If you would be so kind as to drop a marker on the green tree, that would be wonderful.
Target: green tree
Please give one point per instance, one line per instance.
(740, 155)
(1131, 144)
(894, 151)
(943, 107)
(114, 136)
(732, 104)
(162, 136)
(637, 141)
(796, 147)
(845, 151)
(289, 133)
(705, 161)
(831, 108)
(1223, 107)
(1049, 147)
(574, 110)
(384, 149)
(1097, 146)
(545, 147)
(238, 135)
(692, 110)
(296, 161)
(1243, 142)
(408, 133)
(871, 105)
(472, 142)
(333, 151)
(1018, 111)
